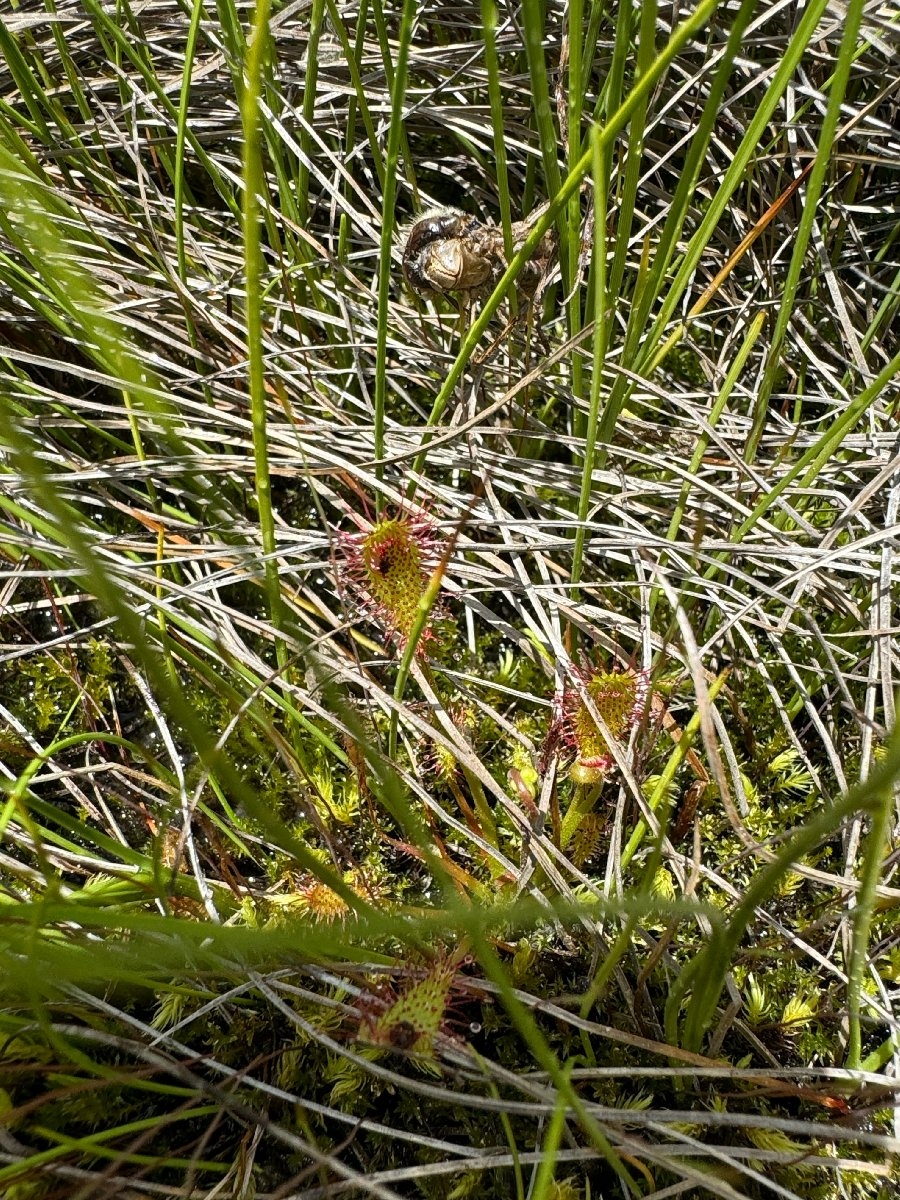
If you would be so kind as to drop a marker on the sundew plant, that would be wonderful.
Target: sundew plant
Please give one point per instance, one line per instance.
(449, 596)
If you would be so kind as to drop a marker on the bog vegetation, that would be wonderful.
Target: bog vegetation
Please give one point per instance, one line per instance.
(446, 730)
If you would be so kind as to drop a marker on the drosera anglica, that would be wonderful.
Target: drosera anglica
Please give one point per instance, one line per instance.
(619, 698)
(387, 568)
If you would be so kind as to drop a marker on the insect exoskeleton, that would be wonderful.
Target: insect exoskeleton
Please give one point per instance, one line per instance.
(446, 252)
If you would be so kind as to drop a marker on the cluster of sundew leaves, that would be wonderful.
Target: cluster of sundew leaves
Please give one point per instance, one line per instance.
(301, 1063)
(618, 698)
(797, 1026)
(782, 765)
(388, 568)
(402, 1017)
(410, 1019)
(801, 1007)
(587, 838)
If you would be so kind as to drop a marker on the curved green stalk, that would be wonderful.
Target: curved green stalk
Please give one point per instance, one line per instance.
(533, 29)
(836, 93)
(316, 21)
(571, 248)
(600, 340)
(489, 36)
(190, 50)
(398, 93)
(748, 148)
(634, 151)
(254, 182)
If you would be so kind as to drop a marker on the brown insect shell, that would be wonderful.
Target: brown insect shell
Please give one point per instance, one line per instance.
(449, 251)
(453, 267)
